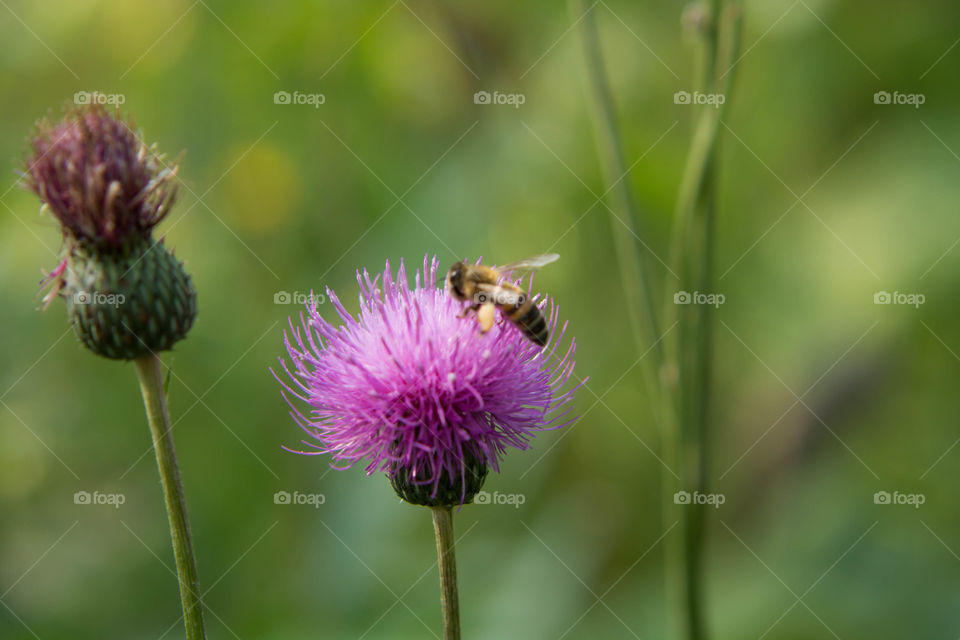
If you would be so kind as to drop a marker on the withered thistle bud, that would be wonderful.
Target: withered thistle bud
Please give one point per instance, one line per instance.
(126, 294)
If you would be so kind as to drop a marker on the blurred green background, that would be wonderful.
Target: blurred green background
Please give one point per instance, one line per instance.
(827, 198)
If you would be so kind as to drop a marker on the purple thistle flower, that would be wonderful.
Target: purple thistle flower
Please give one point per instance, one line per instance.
(414, 388)
(99, 180)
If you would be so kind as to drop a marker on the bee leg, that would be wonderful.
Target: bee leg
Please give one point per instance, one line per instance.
(485, 316)
(469, 309)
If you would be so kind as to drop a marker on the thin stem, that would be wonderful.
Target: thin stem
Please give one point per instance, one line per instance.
(690, 352)
(632, 261)
(658, 372)
(679, 381)
(155, 402)
(447, 560)
(708, 123)
(691, 258)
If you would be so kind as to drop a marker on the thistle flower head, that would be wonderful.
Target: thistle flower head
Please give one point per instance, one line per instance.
(414, 389)
(126, 294)
(97, 178)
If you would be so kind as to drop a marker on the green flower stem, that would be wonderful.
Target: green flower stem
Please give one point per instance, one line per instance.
(155, 402)
(446, 558)
(699, 161)
(689, 352)
(634, 270)
(639, 296)
(679, 379)
(637, 291)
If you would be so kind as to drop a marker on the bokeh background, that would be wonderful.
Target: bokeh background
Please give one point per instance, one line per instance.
(823, 397)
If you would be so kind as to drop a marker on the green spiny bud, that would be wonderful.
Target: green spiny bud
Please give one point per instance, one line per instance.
(129, 301)
(448, 492)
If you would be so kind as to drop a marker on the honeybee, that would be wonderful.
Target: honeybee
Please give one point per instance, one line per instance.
(488, 290)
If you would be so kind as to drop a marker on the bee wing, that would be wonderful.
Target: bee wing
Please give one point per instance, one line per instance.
(529, 264)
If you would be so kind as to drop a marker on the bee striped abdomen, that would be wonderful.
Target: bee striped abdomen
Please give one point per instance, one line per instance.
(527, 317)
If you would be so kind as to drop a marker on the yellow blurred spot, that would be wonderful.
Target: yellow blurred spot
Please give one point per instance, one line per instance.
(401, 43)
(147, 35)
(23, 461)
(263, 188)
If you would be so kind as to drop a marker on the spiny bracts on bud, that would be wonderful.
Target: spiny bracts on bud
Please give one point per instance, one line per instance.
(408, 481)
(127, 296)
(130, 301)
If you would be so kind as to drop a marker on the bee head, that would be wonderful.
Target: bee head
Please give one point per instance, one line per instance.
(454, 282)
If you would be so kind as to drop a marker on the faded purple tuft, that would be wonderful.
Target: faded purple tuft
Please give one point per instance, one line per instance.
(410, 384)
(99, 180)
